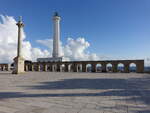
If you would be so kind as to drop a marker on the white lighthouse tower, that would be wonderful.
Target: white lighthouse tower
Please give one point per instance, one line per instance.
(56, 41)
(56, 36)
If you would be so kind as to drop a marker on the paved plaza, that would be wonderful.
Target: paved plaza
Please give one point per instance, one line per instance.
(50, 92)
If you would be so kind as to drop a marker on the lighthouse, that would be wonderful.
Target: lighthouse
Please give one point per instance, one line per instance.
(56, 35)
(56, 41)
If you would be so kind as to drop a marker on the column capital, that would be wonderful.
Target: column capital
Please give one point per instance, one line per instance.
(20, 23)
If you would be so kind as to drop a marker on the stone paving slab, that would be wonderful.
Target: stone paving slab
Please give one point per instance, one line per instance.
(50, 92)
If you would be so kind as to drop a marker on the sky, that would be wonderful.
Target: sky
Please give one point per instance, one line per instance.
(95, 29)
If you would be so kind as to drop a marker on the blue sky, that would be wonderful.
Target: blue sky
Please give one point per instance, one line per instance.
(119, 28)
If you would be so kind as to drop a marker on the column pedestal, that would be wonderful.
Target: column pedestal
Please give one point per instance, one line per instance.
(18, 65)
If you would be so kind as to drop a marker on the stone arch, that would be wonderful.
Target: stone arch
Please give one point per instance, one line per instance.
(98, 67)
(79, 67)
(35, 67)
(132, 67)
(3, 67)
(49, 67)
(66, 67)
(54, 67)
(62, 67)
(120, 67)
(109, 67)
(0, 68)
(41, 67)
(88, 67)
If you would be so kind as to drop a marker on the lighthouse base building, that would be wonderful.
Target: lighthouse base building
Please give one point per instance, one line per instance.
(51, 59)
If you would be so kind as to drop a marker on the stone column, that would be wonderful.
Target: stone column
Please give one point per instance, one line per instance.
(2, 68)
(114, 67)
(140, 67)
(66, 67)
(93, 67)
(62, 68)
(75, 68)
(53, 68)
(103, 67)
(45, 67)
(70, 68)
(32, 67)
(6, 68)
(50, 67)
(19, 60)
(26, 68)
(83, 67)
(58, 67)
(38, 67)
(9, 66)
(126, 68)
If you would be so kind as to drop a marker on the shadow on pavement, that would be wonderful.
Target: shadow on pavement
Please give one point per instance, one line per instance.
(135, 88)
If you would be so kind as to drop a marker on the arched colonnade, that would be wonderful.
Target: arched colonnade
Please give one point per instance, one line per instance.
(4, 67)
(125, 66)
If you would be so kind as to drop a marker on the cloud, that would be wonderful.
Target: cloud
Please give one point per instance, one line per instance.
(75, 49)
(8, 42)
(47, 42)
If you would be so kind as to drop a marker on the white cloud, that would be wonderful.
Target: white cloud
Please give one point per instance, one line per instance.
(75, 49)
(47, 42)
